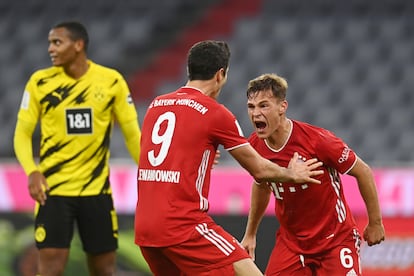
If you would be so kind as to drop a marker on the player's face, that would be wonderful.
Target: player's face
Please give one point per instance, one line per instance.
(62, 49)
(266, 113)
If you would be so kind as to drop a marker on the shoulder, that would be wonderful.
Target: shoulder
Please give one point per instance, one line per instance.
(104, 70)
(304, 125)
(46, 73)
(253, 139)
(309, 129)
(319, 137)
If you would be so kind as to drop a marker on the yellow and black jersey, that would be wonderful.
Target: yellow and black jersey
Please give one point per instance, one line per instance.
(76, 118)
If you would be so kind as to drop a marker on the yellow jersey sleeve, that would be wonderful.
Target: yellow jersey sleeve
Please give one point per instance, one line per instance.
(127, 117)
(23, 146)
(132, 135)
(124, 107)
(30, 107)
(27, 120)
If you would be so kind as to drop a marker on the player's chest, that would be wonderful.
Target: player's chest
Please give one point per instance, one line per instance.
(293, 192)
(283, 155)
(74, 94)
(75, 106)
(282, 158)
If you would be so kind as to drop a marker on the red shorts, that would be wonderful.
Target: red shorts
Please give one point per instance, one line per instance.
(343, 260)
(209, 251)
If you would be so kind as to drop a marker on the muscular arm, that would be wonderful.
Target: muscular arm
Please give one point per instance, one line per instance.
(259, 200)
(264, 170)
(132, 135)
(374, 232)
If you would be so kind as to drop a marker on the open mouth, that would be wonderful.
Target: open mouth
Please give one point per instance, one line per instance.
(260, 125)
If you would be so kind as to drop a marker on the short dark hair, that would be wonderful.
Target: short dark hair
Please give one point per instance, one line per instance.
(276, 84)
(207, 57)
(77, 31)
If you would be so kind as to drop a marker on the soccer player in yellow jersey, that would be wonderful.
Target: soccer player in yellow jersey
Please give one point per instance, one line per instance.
(76, 102)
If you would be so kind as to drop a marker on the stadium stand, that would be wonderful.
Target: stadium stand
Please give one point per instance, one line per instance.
(124, 35)
(349, 64)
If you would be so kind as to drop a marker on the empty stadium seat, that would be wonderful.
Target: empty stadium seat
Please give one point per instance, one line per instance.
(349, 64)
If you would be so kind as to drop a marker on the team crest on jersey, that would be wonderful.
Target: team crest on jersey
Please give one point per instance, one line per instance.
(99, 94)
(40, 233)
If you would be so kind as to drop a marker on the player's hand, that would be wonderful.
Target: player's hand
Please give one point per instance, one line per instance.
(249, 243)
(374, 234)
(304, 172)
(38, 187)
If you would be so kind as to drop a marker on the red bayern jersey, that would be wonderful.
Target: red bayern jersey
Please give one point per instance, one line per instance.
(181, 132)
(313, 217)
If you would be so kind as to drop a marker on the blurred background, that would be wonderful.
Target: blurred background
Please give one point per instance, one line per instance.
(349, 65)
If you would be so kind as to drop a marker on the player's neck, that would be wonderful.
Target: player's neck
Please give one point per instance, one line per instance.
(279, 138)
(207, 87)
(78, 68)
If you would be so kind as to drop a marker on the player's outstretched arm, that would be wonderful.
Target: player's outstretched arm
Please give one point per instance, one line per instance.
(264, 170)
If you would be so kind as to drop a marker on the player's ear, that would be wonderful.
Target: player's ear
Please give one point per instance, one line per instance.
(79, 45)
(223, 72)
(283, 106)
(220, 74)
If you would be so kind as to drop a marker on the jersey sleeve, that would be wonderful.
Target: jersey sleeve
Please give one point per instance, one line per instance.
(22, 143)
(228, 131)
(27, 119)
(29, 107)
(124, 106)
(334, 152)
(127, 118)
(132, 135)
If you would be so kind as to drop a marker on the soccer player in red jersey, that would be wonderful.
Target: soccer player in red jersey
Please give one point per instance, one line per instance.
(180, 135)
(317, 234)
